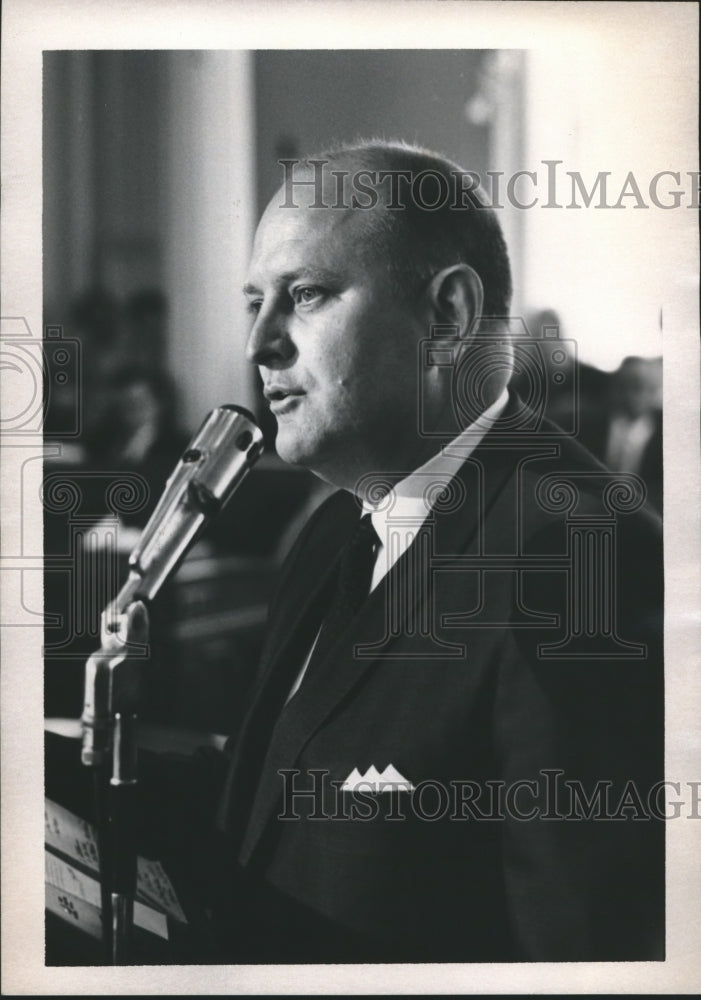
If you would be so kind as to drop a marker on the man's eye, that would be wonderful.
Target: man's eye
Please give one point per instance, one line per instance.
(254, 305)
(306, 294)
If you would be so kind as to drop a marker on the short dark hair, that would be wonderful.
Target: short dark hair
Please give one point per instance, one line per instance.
(416, 242)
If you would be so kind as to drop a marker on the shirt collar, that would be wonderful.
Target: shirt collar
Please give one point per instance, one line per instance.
(407, 500)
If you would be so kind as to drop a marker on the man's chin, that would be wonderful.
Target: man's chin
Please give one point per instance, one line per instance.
(292, 450)
(305, 454)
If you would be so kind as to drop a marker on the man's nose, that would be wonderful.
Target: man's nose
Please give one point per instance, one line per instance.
(269, 342)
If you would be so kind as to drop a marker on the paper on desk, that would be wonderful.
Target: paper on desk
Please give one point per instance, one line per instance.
(76, 838)
(154, 886)
(72, 836)
(63, 878)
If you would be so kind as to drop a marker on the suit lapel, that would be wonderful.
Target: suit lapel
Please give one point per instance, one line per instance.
(297, 618)
(383, 621)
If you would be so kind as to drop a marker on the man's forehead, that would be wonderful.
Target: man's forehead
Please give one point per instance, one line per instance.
(301, 231)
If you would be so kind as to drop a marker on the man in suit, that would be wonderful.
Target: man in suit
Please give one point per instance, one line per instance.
(456, 732)
(510, 634)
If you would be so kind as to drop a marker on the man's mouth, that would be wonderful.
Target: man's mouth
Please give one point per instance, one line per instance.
(281, 399)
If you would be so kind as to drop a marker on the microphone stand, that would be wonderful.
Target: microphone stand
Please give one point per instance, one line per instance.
(219, 457)
(113, 686)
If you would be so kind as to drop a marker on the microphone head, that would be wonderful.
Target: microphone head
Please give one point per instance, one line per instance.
(225, 448)
(214, 464)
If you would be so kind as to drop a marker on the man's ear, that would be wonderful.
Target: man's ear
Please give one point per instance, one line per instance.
(456, 297)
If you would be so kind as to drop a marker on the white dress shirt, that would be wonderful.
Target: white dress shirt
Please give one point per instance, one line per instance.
(401, 512)
(398, 517)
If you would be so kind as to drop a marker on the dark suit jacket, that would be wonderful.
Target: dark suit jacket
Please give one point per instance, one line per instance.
(527, 648)
(539, 652)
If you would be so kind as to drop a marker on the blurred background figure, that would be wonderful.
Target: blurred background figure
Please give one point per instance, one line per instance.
(122, 346)
(138, 430)
(624, 431)
(631, 434)
(95, 320)
(589, 382)
(146, 329)
(619, 413)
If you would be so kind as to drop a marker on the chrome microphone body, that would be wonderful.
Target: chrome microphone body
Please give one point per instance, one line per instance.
(218, 458)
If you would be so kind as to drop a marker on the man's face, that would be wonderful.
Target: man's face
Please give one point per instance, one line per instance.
(336, 348)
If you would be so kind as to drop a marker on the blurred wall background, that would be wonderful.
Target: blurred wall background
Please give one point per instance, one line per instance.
(148, 174)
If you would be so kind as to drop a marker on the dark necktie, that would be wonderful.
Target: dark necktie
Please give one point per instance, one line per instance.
(351, 590)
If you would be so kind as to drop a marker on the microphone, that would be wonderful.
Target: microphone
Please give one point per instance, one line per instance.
(219, 457)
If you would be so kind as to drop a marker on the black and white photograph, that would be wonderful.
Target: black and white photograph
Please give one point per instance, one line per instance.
(350, 571)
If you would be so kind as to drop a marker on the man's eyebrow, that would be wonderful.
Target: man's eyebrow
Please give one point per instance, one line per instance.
(311, 273)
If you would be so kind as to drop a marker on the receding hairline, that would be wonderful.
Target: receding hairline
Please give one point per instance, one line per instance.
(411, 240)
(377, 156)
